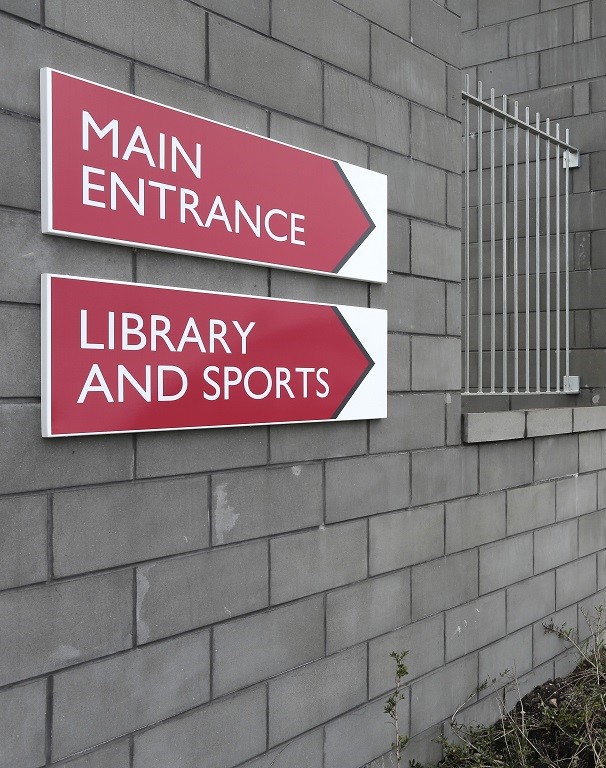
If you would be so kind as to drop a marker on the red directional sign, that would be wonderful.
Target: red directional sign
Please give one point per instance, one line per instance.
(123, 169)
(125, 357)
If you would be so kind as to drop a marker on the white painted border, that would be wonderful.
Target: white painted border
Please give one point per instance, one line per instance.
(375, 181)
(363, 321)
(45, 354)
(46, 149)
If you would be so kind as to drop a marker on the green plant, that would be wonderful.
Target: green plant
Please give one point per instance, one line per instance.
(391, 706)
(560, 724)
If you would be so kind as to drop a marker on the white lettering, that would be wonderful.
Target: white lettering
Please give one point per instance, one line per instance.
(84, 343)
(247, 387)
(125, 374)
(114, 182)
(191, 206)
(128, 331)
(213, 384)
(164, 188)
(243, 333)
(195, 337)
(268, 216)
(142, 149)
(87, 185)
(196, 167)
(95, 373)
(112, 127)
(162, 396)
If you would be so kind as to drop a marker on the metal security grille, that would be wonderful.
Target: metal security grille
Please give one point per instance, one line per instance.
(516, 250)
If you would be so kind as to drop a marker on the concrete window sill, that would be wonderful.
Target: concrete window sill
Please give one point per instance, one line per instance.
(539, 422)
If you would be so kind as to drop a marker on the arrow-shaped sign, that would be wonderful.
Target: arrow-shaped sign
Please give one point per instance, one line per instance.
(123, 169)
(126, 357)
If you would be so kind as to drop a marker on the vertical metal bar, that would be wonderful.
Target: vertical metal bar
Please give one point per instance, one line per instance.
(480, 241)
(548, 259)
(558, 341)
(504, 239)
(492, 251)
(567, 257)
(516, 365)
(537, 256)
(527, 251)
(467, 311)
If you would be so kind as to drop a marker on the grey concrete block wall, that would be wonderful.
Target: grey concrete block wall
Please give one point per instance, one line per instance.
(230, 597)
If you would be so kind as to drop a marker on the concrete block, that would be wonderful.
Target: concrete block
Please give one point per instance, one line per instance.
(453, 311)
(453, 193)
(444, 583)
(512, 653)
(598, 95)
(370, 608)
(249, 650)
(114, 756)
(23, 725)
(254, 13)
(474, 521)
(279, 77)
(586, 419)
(392, 14)
(530, 600)
(545, 644)
(474, 625)
(103, 527)
(469, 15)
(400, 67)
(172, 597)
(552, 29)
(444, 474)
(573, 62)
(204, 450)
(299, 286)
(505, 562)
(582, 24)
(505, 466)
(576, 581)
(26, 253)
(494, 11)
(208, 274)
(587, 612)
(601, 490)
(20, 345)
(484, 44)
(424, 641)
(555, 545)
(531, 507)
(592, 453)
(199, 99)
(368, 486)
(601, 570)
(453, 418)
(576, 496)
(436, 30)
(356, 107)
(256, 503)
(435, 251)
(493, 426)
(413, 304)
(556, 457)
(305, 442)
(435, 697)
(53, 626)
(21, 76)
(26, 9)
(307, 751)
(413, 188)
(178, 741)
(360, 735)
(592, 532)
(311, 28)
(169, 35)
(98, 702)
(413, 421)
(315, 693)
(402, 538)
(512, 75)
(398, 362)
(23, 543)
(436, 363)
(398, 243)
(20, 162)
(28, 463)
(548, 421)
(317, 139)
(318, 560)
